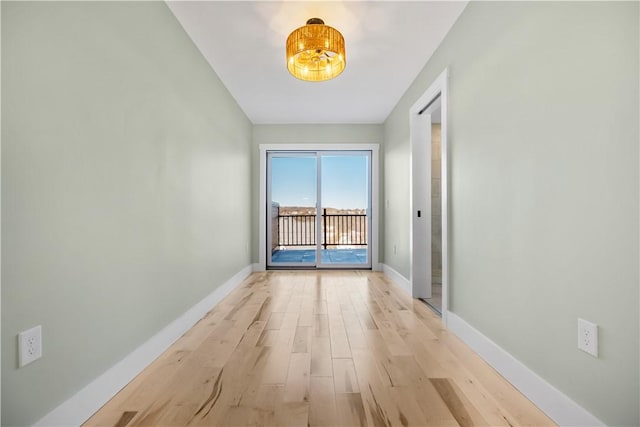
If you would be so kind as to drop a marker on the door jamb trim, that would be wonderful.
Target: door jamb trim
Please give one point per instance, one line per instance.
(439, 85)
(375, 190)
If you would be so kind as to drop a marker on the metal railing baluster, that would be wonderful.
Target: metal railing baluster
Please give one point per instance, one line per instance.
(337, 229)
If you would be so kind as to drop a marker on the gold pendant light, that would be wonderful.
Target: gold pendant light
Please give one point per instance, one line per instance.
(315, 52)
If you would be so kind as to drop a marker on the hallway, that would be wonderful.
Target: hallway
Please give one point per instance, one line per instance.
(319, 348)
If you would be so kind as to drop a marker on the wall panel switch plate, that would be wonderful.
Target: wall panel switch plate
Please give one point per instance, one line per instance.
(30, 345)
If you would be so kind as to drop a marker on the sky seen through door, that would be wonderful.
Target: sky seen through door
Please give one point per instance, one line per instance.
(344, 181)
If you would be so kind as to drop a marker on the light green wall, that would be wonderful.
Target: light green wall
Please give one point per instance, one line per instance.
(125, 188)
(543, 137)
(0, 225)
(305, 134)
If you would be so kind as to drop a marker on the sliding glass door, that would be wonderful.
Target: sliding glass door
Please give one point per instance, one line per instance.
(319, 206)
(344, 196)
(291, 223)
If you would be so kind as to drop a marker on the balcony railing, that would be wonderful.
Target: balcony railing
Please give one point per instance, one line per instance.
(336, 229)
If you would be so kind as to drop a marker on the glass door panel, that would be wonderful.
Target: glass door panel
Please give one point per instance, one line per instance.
(345, 200)
(291, 221)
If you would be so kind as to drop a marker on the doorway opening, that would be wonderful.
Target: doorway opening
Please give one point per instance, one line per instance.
(319, 209)
(435, 112)
(429, 231)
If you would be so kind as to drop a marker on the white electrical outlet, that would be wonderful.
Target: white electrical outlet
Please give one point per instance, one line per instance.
(588, 337)
(30, 345)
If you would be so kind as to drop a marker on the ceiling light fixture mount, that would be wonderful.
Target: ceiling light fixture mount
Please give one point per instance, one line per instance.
(315, 52)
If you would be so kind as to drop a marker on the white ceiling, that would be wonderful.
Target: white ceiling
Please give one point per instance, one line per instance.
(387, 44)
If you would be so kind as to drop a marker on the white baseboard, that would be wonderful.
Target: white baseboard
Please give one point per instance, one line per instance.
(398, 279)
(257, 267)
(558, 406)
(92, 397)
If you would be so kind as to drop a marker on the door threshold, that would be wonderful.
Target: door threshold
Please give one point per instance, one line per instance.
(271, 268)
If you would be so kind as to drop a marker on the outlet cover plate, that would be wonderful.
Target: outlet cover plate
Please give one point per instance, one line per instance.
(30, 345)
(588, 337)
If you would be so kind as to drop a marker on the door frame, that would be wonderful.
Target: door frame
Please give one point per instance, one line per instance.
(420, 194)
(337, 148)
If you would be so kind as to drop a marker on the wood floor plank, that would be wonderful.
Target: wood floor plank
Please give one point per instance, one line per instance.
(267, 405)
(378, 403)
(290, 320)
(320, 304)
(297, 386)
(275, 321)
(321, 362)
(321, 325)
(330, 348)
(471, 388)
(427, 397)
(268, 338)
(338, 335)
(436, 362)
(302, 340)
(410, 412)
(463, 411)
(344, 375)
(393, 340)
(355, 334)
(516, 404)
(277, 366)
(125, 419)
(391, 367)
(322, 402)
(350, 410)
(306, 312)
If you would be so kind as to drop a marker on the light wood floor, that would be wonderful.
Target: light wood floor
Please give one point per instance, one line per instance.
(337, 348)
